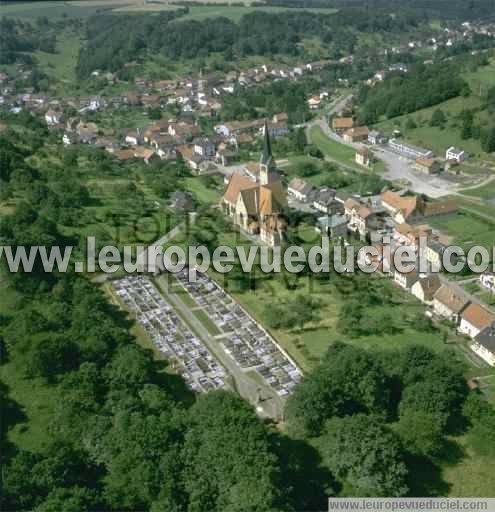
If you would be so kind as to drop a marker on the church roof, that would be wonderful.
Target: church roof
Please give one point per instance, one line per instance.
(236, 184)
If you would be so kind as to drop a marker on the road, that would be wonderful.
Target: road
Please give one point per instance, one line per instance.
(398, 168)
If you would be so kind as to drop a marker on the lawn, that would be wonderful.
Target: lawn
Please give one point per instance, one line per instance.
(472, 476)
(206, 189)
(467, 229)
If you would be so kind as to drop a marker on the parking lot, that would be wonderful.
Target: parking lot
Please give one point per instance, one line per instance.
(173, 338)
(244, 340)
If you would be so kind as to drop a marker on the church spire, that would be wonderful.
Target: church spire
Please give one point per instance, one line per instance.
(267, 146)
(267, 164)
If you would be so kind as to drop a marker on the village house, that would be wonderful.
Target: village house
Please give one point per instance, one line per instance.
(52, 117)
(487, 280)
(401, 208)
(360, 219)
(133, 138)
(410, 235)
(405, 279)
(324, 200)
(342, 124)
(225, 155)
(484, 345)
(425, 288)
(184, 130)
(204, 147)
(334, 226)
(70, 138)
(301, 190)
(314, 102)
(434, 254)
(187, 153)
(475, 319)
(427, 165)
(356, 134)
(146, 155)
(363, 157)
(447, 303)
(413, 208)
(375, 137)
(256, 206)
(455, 154)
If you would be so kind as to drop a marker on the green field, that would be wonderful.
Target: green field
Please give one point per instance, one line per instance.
(235, 13)
(484, 76)
(335, 150)
(52, 10)
(61, 65)
(90, 7)
(485, 192)
(467, 229)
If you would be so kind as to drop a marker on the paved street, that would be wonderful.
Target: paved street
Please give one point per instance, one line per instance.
(398, 168)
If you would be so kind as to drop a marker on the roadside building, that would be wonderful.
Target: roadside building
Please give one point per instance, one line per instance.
(408, 150)
(406, 279)
(204, 147)
(375, 137)
(484, 345)
(448, 304)
(342, 124)
(314, 103)
(301, 190)
(360, 219)
(356, 134)
(324, 200)
(434, 253)
(425, 288)
(487, 281)
(475, 319)
(455, 154)
(363, 157)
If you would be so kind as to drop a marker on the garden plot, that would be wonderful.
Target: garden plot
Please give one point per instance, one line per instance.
(245, 341)
(171, 335)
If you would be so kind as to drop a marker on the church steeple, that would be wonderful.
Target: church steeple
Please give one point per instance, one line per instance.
(267, 164)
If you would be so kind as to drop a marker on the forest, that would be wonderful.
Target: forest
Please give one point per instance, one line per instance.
(115, 40)
(402, 93)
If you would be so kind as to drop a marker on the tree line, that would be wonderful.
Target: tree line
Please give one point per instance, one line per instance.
(113, 41)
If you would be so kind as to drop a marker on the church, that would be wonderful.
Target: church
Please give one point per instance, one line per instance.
(256, 205)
